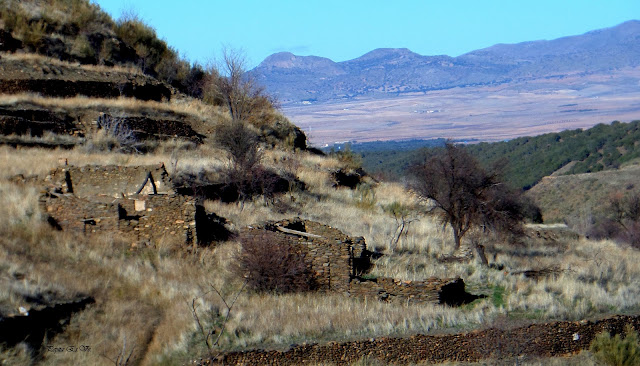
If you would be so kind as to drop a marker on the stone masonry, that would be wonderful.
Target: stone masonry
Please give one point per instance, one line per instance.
(535, 340)
(109, 180)
(137, 203)
(339, 261)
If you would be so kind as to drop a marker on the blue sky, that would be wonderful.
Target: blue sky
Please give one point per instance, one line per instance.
(346, 29)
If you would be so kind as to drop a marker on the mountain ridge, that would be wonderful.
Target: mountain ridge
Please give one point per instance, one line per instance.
(390, 71)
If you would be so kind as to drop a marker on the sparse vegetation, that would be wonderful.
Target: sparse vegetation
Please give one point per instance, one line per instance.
(617, 351)
(164, 303)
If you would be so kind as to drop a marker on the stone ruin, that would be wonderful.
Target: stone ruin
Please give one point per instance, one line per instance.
(338, 263)
(140, 205)
(137, 202)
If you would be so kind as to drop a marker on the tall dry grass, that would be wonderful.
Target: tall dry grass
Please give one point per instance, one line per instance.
(143, 296)
(188, 106)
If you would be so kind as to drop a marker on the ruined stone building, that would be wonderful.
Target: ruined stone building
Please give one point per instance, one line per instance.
(338, 263)
(137, 203)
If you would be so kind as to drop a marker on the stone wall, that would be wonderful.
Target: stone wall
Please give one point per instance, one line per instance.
(108, 180)
(536, 340)
(330, 257)
(104, 199)
(433, 290)
(140, 219)
(338, 262)
(153, 218)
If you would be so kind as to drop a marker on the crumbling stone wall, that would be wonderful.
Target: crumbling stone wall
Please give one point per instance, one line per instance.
(105, 199)
(330, 257)
(338, 261)
(139, 219)
(432, 290)
(109, 180)
(153, 218)
(538, 340)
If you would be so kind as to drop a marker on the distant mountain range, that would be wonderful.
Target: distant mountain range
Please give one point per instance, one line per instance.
(392, 72)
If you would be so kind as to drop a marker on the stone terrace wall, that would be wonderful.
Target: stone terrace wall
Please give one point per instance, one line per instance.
(146, 219)
(539, 340)
(411, 292)
(109, 180)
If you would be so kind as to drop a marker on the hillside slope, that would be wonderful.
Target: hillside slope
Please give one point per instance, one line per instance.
(79, 31)
(579, 199)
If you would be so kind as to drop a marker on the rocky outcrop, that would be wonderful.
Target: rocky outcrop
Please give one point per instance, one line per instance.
(97, 89)
(38, 324)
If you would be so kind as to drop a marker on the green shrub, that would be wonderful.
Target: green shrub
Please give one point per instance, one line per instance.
(348, 158)
(83, 49)
(365, 196)
(615, 351)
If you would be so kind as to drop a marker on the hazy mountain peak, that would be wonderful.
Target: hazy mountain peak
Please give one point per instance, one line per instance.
(287, 60)
(399, 70)
(387, 54)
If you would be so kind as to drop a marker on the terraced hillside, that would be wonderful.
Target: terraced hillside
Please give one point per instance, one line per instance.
(130, 212)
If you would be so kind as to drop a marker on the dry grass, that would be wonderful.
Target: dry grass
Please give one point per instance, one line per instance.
(41, 59)
(577, 198)
(187, 106)
(143, 295)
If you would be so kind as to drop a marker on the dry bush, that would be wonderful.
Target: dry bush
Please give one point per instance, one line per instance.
(113, 134)
(622, 222)
(241, 144)
(270, 266)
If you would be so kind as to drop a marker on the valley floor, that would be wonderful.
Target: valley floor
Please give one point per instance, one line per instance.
(485, 113)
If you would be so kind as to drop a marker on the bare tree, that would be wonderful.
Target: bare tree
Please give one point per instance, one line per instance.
(404, 216)
(229, 84)
(465, 195)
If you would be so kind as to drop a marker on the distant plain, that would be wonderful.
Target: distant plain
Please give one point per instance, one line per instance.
(486, 113)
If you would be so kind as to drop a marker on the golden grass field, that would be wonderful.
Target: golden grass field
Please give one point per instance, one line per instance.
(143, 296)
(578, 198)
